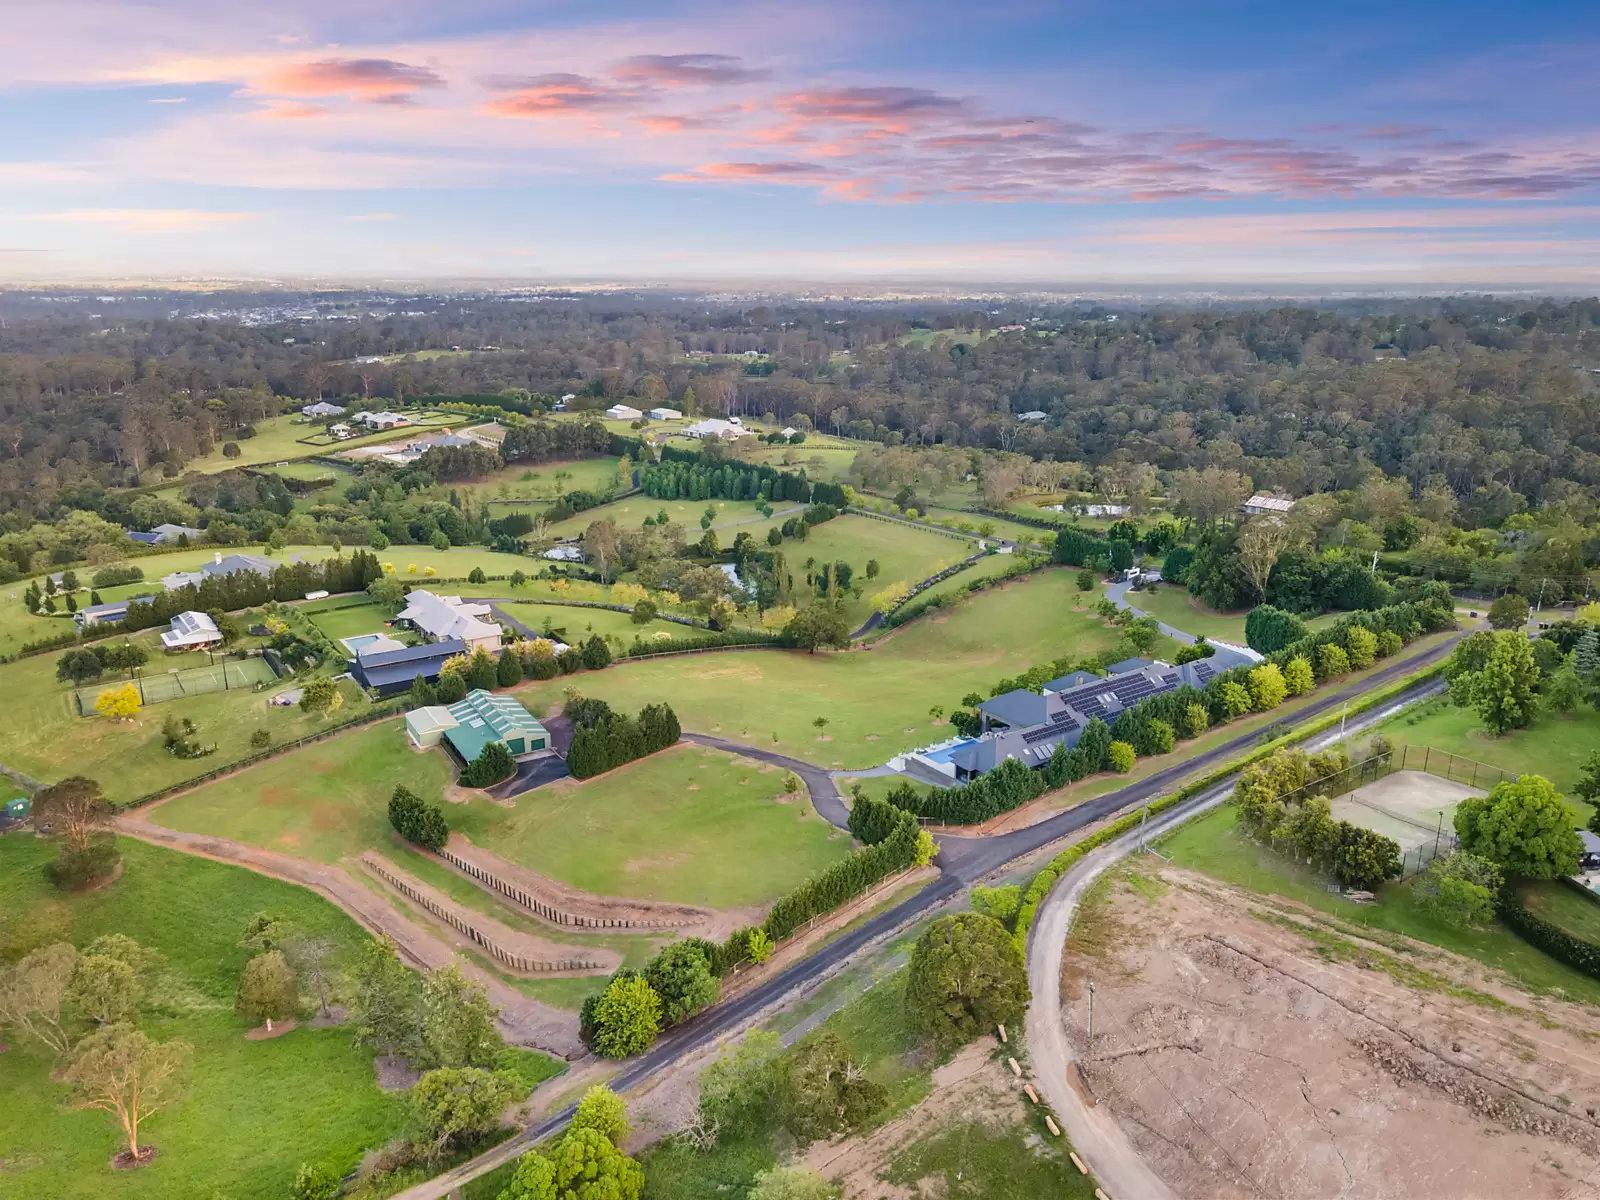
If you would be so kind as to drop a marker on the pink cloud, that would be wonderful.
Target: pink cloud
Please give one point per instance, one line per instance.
(289, 110)
(372, 80)
(685, 70)
(555, 95)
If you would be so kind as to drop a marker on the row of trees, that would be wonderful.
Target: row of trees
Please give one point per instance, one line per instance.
(676, 479)
(603, 740)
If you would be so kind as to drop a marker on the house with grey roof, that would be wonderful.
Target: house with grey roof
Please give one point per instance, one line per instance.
(221, 564)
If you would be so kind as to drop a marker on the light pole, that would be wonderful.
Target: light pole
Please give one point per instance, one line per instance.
(1091, 1010)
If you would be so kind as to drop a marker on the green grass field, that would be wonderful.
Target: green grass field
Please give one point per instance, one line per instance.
(690, 825)
(1562, 905)
(1553, 746)
(1211, 844)
(904, 555)
(342, 620)
(537, 483)
(733, 516)
(326, 801)
(580, 623)
(1177, 608)
(255, 1111)
(877, 700)
(43, 736)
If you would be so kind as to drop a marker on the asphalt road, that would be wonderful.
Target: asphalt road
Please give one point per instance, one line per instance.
(962, 861)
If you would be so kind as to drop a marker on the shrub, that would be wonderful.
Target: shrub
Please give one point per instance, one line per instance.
(1160, 737)
(1120, 756)
(596, 654)
(1195, 720)
(1298, 676)
(1524, 826)
(1267, 687)
(1508, 612)
(1331, 661)
(627, 1017)
(1459, 890)
(825, 1091)
(1389, 643)
(416, 820)
(493, 764)
(1268, 629)
(1361, 645)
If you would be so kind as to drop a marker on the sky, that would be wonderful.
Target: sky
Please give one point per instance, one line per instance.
(1064, 143)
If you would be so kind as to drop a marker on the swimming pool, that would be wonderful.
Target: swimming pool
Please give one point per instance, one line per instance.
(946, 753)
(359, 643)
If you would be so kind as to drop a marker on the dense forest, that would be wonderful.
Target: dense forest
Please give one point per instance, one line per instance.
(1476, 409)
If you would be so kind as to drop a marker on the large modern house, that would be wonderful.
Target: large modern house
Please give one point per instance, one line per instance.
(718, 428)
(163, 535)
(450, 617)
(1263, 505)
(221, 564)
(389, 671)
(322, 409)
(1029, 725)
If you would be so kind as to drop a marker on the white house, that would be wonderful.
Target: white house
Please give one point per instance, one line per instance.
(191, 631)
(322, 409)
(379, 420)
(1032, 415)
(340, 431)
(1263, 505)
(789, 431)
(665, 414)
(623, 412)
(564, 554)
(168, 532)
(444, 617)
(716, 428)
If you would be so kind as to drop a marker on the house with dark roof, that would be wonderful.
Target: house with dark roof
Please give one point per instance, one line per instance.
(221, 564)
(390, 671)
(1029, 725)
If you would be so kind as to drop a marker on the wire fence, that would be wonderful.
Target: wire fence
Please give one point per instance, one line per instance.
(248, 674)
(1439, 763)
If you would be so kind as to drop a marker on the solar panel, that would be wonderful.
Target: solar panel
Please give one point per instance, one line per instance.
(1203, 671)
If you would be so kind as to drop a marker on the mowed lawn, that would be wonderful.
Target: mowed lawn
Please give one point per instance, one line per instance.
(1564, 905)
(876, 701)
(733, 517)
(904, 553)
(1176, 607)
(43, 735)
(342, 618)
(326, 801)
(537, 483)
(575, 624)
(1553, 746)
(255, 1110)
(688, 824)
(1213, 845)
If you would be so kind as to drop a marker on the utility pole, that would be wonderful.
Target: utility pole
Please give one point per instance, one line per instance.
(1344, 715)
(1374, 569)
(1091, 1010)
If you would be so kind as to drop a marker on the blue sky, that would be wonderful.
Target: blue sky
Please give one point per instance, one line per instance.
(1065, 143)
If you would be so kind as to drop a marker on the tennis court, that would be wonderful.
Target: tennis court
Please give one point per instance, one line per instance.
(1415, 808)
(157, 686)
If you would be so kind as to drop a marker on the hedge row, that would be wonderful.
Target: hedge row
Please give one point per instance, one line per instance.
(912, 608)
(1556, 942)
(844, 880)
(1041, 883)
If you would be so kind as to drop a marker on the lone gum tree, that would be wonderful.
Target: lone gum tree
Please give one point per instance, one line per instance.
(121, 1071)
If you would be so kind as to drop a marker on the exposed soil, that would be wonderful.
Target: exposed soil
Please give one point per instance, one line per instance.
(394, 1074)
(1252, 1047)
(972, 1086)
(123, 1160)
(261, 1033)
(534, 950)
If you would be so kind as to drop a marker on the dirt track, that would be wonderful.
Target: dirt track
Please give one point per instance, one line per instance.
(1249, 1047)
(525, 1021)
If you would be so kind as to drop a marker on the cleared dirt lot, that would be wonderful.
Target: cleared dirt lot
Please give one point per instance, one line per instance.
(1253, 1048)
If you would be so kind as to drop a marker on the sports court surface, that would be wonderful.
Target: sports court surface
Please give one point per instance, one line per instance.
(1414, 808)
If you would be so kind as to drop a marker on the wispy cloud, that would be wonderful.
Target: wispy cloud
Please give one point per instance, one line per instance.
(686, 70)
(147, 220)
(556, 95)
(373, 80)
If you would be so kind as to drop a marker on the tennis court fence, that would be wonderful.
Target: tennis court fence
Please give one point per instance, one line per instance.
(1440, 763)
(156, 687)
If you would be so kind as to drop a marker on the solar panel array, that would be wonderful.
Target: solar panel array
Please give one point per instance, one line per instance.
(1063, 724)
(1203, 671)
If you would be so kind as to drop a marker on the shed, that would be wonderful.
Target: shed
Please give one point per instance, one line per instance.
(483, 717)
(425, 726)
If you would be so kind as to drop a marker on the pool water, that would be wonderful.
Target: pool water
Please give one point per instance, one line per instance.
(362, 641)
(945, 755)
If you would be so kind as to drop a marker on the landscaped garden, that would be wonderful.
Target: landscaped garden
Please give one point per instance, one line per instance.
(575, 623)
(255, 1109)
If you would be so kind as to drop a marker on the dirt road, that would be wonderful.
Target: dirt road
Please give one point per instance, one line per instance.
(525, 1021)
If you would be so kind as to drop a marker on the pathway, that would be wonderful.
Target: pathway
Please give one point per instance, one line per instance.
(525, 1021)
(1117, 593)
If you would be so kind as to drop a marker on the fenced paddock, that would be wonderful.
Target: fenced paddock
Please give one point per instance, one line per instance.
(156, 687)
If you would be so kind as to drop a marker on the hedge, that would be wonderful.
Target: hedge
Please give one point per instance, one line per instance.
(1045, 879)
(1556, 942)
(844, 880)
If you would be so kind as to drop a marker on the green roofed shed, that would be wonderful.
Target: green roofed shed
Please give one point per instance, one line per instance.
(484, 717)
